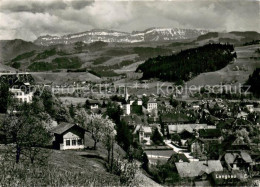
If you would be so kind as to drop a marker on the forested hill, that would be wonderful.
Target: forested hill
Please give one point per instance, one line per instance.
(189, 63)
(254, 82)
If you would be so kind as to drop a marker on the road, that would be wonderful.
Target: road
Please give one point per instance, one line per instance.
(178, 150)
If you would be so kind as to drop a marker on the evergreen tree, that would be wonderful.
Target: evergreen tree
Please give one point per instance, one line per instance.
(72, 111)
(145, 162)
(124, 136)
(5, 97)
(156, 137)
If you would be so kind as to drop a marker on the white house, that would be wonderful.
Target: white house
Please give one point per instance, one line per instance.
(144, 134)
(93, 104)
(139, 102)
(68, 136)
(22, 96)
(151, 105)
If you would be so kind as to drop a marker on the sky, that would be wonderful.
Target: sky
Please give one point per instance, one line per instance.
(29, 19)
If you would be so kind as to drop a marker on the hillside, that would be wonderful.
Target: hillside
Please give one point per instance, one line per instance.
(234, 73)
(105, 59)
(11, 48)
(189, 63)
(235, 38)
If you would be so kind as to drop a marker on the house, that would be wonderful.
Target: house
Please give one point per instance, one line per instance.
(132, 120)
(175, 118)
(179, 128)
(195, 107)
(239, 144)
(228, 178)
(158, 155)
(139, 102)
(198, 169)
(238, 160)
(151, 105)
(68, 136)
(250, 108)
(210, 135)
(22, 95)
(144, 134)
(197, 147)
(242, 115)
(92, 104)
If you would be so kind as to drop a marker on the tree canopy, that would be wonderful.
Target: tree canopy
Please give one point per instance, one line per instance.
(189, 63)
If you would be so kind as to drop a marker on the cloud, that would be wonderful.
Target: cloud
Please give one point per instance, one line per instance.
(37, 6)
(30, 19)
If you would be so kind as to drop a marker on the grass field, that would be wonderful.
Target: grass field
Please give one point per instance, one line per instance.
(63, 77)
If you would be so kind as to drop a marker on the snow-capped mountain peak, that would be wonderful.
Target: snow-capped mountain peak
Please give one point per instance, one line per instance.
(152, 34)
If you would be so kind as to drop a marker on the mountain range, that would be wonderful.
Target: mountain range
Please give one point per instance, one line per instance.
(149, 35)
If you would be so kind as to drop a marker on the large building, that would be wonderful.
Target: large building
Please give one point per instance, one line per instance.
(22, 96)
(19, 85)
(151, 105)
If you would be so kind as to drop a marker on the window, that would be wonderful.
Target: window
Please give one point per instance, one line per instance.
(79, 141)
(67, 142)
(73, 142)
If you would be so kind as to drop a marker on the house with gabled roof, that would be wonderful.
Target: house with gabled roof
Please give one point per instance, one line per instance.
(132, 120)
(179, 128)
(210, 135)
(68, 136)
(198, 169)
(238, 160)
(144, 134)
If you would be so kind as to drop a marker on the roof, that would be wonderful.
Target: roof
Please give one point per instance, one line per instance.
(231, 157)
(151, 100)
(132, 119)
(196, 168)
(202, 183)
(63, 127)
(93, 101)
(175, 118)
(242, 114)
(146, 129)
(209, 133)
(179, 128)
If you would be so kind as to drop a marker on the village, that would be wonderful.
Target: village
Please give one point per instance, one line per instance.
(205, 142)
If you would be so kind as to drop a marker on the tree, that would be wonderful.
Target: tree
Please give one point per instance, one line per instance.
(174, 102)
(243, 136)
(124, 136)
(96, 128)
(5, 97)
(114, 112)
(145, 162)
(108, 140)
(101, 129)
(72, 111)
(156, 137)
(82, 117)
(176, 137)
(161, 172)
(26, 131)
